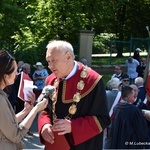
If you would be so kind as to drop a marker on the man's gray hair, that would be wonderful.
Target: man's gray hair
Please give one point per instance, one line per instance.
(139, 81)
(114, 82)
(61, 45)
(25, 66)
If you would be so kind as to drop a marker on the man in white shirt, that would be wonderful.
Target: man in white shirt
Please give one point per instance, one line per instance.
(131, 65)
(118, 72)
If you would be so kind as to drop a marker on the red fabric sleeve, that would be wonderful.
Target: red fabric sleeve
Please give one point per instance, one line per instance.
(148, 86)
(42, 120)
(84, 129)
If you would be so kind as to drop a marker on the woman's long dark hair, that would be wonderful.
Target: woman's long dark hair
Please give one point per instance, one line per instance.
(6, 65)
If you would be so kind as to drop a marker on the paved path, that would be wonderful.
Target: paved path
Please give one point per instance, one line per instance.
(33, 142)
(115, 54)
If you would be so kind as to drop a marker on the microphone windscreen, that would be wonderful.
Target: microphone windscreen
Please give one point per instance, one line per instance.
(46, 92)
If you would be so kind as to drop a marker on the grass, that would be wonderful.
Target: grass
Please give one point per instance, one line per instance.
(106, 78)
(108, 60)
(104, 59)
(98, 61)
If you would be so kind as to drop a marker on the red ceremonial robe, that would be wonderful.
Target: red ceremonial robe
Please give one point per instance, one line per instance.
(148, 86)
(92, 115)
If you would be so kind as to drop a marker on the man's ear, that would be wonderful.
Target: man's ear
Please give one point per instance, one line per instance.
(68, 55)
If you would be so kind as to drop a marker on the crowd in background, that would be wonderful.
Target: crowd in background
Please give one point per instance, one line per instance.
(128, 104)
(127, 100)
(38, 77)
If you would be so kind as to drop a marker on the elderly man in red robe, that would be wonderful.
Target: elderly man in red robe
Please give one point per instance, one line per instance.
(77, 113)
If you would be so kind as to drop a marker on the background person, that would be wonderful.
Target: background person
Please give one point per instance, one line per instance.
(84, 61)
(20, 63)
(136, 54)
(12, 128)
(139, 82)
(132, 65)
(118, 72)
(137, 102)
(113, 97)
(79, 103)
(39, 77)
(19, 103)
(108, 86)
(141, 68)
(111, 94)
(128, 124)
(124, 81)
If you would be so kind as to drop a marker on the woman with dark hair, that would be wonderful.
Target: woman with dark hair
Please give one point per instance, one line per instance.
(12, 128)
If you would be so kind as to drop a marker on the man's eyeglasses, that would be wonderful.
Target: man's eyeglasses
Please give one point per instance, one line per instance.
(10, 58)
(126, 80)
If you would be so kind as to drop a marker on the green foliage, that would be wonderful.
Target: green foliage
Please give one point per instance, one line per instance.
(30, 24)
(106, 78)
(12, 16)
(101, 43)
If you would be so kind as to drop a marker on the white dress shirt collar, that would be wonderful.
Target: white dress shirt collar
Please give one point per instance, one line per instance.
(74, 70)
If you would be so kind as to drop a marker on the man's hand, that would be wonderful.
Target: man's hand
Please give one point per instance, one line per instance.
(31, 97)
(146, 114)
(47, 133)
(62, 126)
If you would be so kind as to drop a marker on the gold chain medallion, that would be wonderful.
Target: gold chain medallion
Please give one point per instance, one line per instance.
(76, 97)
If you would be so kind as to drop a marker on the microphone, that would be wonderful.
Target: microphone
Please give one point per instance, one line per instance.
(46, 92)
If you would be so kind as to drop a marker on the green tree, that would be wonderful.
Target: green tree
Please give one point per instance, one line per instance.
(30, 24)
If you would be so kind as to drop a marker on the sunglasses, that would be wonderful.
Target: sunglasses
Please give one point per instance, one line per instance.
(10, 58)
